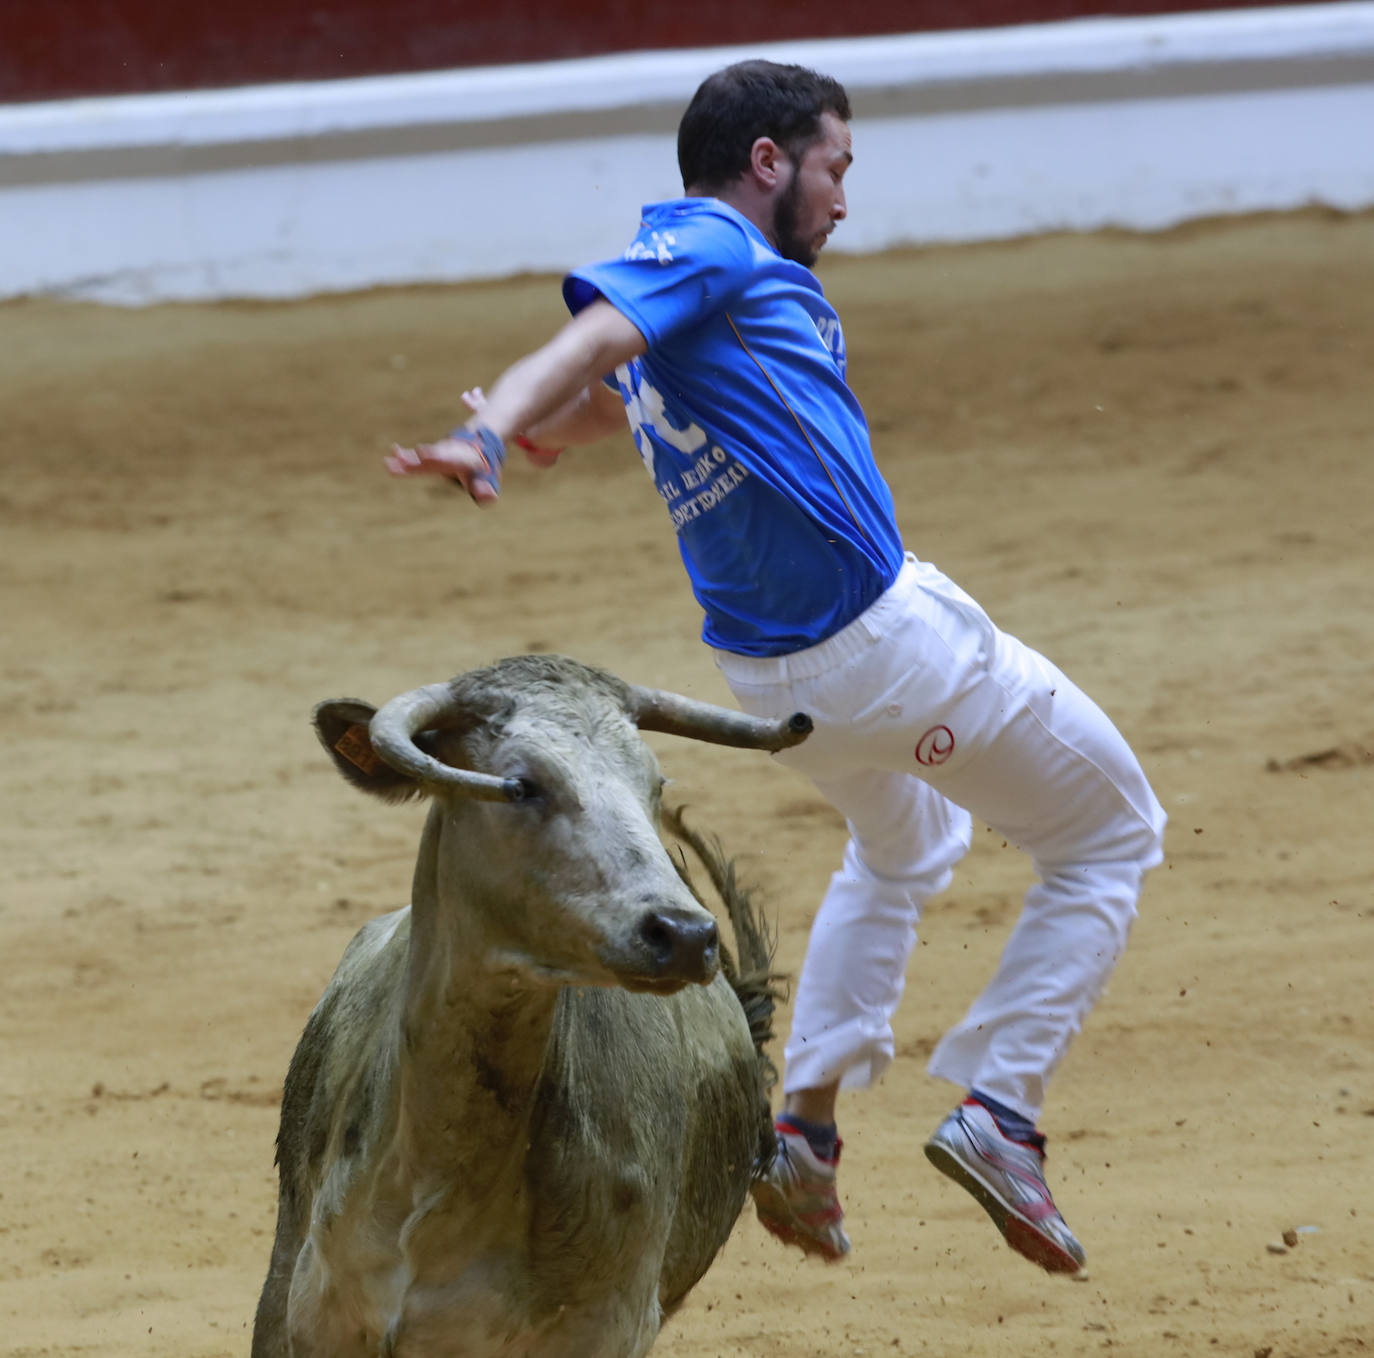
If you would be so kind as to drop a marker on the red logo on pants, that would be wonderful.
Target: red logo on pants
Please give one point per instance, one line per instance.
(935, 746)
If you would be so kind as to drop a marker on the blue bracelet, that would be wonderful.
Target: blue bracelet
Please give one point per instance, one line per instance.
(486, 440)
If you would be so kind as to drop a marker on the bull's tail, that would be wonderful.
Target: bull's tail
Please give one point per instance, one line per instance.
(750, 968)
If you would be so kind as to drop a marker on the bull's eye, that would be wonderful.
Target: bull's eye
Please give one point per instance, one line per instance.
(530, 791)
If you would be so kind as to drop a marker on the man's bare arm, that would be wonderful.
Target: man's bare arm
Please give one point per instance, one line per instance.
(543, 383)
(593, 413)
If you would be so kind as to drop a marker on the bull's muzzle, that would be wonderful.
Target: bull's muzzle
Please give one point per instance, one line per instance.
(676, 949)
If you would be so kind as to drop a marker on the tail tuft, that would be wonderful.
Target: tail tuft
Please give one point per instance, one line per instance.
(750, 970)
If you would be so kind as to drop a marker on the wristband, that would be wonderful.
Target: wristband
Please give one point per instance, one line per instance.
(485, 439)
(487, 442)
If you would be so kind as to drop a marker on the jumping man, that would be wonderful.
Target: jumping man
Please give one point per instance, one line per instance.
(711, 333)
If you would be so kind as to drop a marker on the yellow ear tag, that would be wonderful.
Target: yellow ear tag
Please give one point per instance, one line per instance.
(355, 747)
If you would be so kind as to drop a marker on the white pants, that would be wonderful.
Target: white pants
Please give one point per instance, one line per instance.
(924, 713)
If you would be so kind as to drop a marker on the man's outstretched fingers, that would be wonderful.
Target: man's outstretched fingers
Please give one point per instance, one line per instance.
(402, 461)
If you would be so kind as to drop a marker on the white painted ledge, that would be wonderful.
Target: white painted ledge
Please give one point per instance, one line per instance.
(289, 189)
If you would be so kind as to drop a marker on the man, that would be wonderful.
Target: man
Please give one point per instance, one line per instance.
(730, 364)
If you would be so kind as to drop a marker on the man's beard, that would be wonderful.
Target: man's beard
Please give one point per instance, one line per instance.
(786, 211)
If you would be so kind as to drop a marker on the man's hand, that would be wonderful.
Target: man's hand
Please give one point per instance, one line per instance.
(473, 462)
(453, 458)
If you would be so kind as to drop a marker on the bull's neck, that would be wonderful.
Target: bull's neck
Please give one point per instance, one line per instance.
(473, 1037)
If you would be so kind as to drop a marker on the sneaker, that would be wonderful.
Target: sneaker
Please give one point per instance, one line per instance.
(796, 1199)
(1006, 1178)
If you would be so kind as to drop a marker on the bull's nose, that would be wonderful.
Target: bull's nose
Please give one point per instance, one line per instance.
(681, 949)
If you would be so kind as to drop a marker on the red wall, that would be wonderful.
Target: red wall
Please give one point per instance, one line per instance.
(58, 48)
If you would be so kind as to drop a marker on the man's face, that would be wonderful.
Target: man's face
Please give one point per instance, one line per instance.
(812, 201)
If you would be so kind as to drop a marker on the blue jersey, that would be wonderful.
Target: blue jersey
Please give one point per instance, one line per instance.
(742, 414)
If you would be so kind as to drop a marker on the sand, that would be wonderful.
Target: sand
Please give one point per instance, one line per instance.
(1147, 456)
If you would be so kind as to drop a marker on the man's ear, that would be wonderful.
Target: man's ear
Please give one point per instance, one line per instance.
(341, 724)
(768, 163)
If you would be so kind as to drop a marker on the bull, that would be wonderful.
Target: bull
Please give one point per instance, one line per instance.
(525, 1113)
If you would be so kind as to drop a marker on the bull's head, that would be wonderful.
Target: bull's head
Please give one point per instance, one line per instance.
(545, 812)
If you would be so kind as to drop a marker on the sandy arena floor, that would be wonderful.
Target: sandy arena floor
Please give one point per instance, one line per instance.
(1150, 457)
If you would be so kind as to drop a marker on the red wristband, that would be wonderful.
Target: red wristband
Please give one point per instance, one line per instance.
(530, 447)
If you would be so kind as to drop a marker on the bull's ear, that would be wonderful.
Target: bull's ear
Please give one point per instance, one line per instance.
(341, 725)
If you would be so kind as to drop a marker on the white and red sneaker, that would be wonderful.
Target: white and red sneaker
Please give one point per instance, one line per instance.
(796, 1200)
(1006, 1179)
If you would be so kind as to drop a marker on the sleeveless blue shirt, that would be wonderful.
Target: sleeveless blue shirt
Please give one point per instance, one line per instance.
(744, 419)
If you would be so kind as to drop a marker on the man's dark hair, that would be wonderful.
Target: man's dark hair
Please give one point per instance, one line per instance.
(735, 107)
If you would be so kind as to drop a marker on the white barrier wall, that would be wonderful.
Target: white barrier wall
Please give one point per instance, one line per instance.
(287, 190)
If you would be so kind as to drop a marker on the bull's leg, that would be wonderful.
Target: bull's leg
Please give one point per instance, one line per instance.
(270, 1339)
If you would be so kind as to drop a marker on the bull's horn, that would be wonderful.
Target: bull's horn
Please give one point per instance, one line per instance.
(655, 710)
(393, 730)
